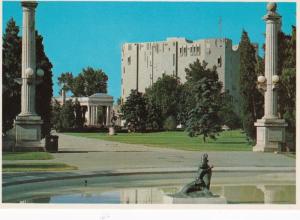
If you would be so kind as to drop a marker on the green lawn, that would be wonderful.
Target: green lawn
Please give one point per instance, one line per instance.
(33, 167)
(227, 141)
(26, 156)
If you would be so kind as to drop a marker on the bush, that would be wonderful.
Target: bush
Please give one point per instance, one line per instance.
(170, 123)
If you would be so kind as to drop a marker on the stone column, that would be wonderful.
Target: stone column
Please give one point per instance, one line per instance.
(96, 111)
(28, 59)
(28, 123)
(92, 115)
(108, 116)
(88, 115)
(270, 129)
(272, 20)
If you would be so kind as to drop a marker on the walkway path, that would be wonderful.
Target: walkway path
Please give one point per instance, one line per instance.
(93, 156)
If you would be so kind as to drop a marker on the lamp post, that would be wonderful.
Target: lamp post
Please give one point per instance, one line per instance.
(270, 129)
(28, 123)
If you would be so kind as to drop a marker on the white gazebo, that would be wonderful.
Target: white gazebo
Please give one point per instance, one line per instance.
(91, 105)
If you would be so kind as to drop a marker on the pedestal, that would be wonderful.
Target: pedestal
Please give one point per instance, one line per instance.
(270, 135)
(168, 199)
(111, 131)
(28, 133)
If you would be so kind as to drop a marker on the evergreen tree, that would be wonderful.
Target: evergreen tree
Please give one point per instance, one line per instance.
(67, 115)
(55, 116)
(204, 118)
(186, 103)
(134, 111)
(154, 117)
(287, 83)
(11, 67)
(251, 99)
(79, 115)
(227, 114)
(44, 91)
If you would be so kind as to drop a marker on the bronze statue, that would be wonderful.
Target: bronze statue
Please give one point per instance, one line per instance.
(200, 187)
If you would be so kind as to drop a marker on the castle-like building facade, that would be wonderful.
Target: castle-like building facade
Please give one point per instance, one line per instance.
(143, 63)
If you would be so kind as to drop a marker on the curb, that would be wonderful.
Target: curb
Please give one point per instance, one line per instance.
(145, 171)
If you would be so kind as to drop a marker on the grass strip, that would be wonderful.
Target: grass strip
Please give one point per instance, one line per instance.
(26, 156)
(33, 167)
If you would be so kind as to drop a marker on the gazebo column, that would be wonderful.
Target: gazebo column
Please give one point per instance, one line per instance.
(96, 115)
(108, 109)
(93, 115)
(89, 115)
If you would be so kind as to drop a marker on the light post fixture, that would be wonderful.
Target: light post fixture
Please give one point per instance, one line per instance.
(28, 123)
(270, 129)
(262, 83)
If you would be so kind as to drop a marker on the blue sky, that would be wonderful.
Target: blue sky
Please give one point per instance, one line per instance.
(81, 34)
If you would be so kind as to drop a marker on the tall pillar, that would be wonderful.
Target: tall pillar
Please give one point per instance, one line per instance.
(108, 109)
(28, 59)
(28, 123)
(96, 118)
(270, 129)
(88, 115)
(92, 115)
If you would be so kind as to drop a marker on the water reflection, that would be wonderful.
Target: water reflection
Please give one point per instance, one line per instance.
(234, 194)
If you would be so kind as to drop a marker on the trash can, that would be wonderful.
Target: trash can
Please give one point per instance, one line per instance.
(52, 143)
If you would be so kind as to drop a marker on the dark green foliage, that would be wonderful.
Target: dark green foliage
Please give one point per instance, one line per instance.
(170, 123)
(186, 103)
(164, 93)
(12, 51)
(67, 116)
(44, 91)
(89, 82)
(287, 83)
(11, 67)
(227, 113)
(55, 116)
(79, 115)
(65, 81)
(204, 118)
(251, 99)
(154, 116)
(101, 113)
(134, 111)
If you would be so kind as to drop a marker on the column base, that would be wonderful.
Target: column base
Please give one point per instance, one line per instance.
(111, 131)
(28, 133)
(270, 134)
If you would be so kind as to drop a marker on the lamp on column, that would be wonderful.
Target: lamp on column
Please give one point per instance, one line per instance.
(30, 79)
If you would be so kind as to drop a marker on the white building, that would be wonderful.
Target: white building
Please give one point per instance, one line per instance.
(90, 106)
(144, 63)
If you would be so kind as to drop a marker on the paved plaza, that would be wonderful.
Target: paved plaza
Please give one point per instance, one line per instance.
(97, 157)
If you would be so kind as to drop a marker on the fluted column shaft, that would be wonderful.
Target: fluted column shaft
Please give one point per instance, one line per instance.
(271, 55)
(107, 115)
(28, 58)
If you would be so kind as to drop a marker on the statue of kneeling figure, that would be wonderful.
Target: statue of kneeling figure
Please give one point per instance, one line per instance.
(200, 187)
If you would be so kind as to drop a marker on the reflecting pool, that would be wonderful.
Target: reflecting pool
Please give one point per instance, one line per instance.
(152, 189)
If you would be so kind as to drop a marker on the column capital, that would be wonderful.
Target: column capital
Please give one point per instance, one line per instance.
(29, 4)
(272, 14)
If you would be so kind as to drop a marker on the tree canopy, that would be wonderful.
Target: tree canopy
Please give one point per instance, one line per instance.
(134, 111)
(204, 118)
(87, 83)
(251, 99)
